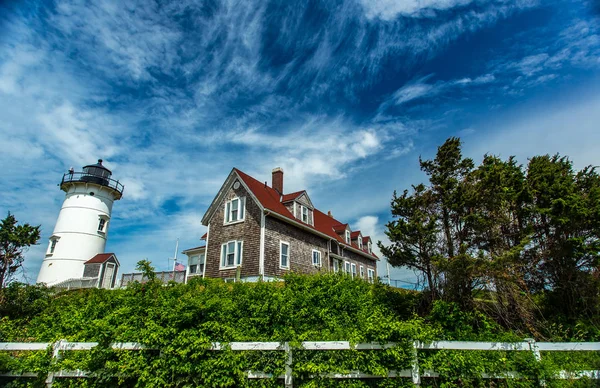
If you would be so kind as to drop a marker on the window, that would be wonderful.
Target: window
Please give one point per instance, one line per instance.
(229, 280)
(347, 237)
(101, 225)
(347, 267)
(284, 254)
(201, 262)
(371, 274)
(53, 244)
(196, 264)
(337, 264)
(369, 245)
(231, 254)
(360, 246)
(362, 272)
(316, 258)
(234, 210)
(304, 212)
(353, 270)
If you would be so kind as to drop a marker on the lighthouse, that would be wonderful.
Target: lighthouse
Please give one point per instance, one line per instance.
(82, 225)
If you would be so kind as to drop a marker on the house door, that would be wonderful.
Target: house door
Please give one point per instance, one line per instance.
(108, 275)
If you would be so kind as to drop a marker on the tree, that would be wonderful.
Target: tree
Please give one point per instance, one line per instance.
(414, 235)
(447, 174)
(147, 270)
(14, 241)
(514, 241)
(566, 234)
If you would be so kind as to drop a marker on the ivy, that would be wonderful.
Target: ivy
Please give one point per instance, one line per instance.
(177, 323)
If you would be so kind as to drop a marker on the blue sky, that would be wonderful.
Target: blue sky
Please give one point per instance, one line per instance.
(344, 95)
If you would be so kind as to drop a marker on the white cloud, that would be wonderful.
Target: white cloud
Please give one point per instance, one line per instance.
(414, 91)
(420, 89)
(569, 128)
(390, 9)
(371, 226)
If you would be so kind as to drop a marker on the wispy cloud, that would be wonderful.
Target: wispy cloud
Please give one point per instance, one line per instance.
(390, 9)
(174, 94)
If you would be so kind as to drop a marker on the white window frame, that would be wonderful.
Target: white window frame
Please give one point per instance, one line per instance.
(201, 263)
(362, 272)
(353, 268)
(369, 246)
(238, 251)
(347, 267)
(360, 243)
(281, 244)
(312, 257)
(102, 224)
(240, 209)
(302, 210)
(337, 265)
(52, 245)
(370, 275)
(348, 237)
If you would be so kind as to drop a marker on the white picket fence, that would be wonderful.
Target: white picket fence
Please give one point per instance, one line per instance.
(414, 373)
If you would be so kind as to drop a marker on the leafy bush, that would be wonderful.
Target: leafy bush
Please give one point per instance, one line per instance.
(178, 322)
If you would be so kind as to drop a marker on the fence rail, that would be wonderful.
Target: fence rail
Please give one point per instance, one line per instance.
(414, 373)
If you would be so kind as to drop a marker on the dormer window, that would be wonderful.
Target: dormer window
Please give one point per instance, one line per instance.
(305, 215)
(235, 210)
(347, 236)
(369, 246)
(360, 244)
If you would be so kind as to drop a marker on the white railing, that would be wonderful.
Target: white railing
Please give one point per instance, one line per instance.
(75, 283)
(414, 373)
(164, 276)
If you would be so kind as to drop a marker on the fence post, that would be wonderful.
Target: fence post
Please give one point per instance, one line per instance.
(416, 377)
(288, 365)
(536, 355)
(55, 356)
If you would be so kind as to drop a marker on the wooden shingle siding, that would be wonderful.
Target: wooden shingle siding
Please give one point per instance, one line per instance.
(301, 245)
(247, 231)
(355, 258)
(91, 270)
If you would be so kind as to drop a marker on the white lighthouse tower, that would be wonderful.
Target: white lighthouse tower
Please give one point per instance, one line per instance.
(82, 226)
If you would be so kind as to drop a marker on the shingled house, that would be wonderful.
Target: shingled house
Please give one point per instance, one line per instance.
(257, 231)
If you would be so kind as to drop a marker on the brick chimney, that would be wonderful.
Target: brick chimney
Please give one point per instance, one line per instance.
(277, 181)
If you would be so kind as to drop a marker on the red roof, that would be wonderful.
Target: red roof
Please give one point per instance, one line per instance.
(339, 227)
(270, 199)
(100, 258)
(354, 235)
(291, 196)
(204, 236)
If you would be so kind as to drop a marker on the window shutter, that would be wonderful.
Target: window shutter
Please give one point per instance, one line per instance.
(242, 207)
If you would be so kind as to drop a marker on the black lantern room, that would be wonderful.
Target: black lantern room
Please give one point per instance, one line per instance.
(93, 173)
